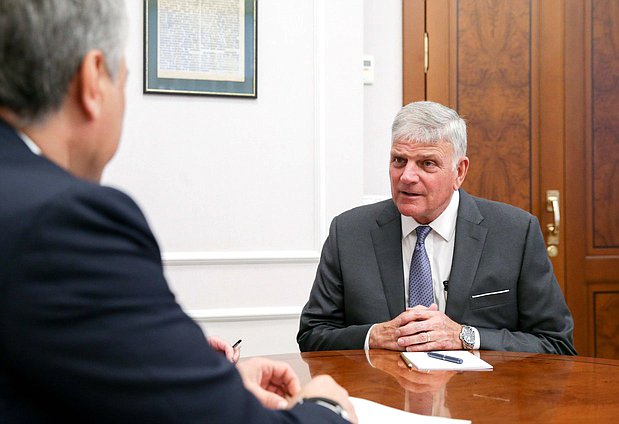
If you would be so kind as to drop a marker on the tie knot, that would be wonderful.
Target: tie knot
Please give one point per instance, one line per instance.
(422, 233)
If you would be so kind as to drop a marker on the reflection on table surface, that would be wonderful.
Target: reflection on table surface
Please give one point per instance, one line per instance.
(523, 387)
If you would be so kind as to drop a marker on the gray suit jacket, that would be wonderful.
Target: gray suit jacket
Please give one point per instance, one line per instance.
(359, 281)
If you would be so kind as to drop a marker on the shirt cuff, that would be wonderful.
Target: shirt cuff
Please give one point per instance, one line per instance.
(366, 344)
(477, 341)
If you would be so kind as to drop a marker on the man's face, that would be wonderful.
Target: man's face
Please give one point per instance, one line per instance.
(423, 178)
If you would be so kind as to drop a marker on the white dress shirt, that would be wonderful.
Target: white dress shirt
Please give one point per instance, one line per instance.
(31, 144)
(439, 247)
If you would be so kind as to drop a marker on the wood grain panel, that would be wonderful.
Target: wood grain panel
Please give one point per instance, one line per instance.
(494, 96)
(576, 197)
(413, 27)
(605, 306)
(439, 26)
(605, 125)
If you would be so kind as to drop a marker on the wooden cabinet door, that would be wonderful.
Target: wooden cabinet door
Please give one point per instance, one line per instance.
(592, 172)
(535, 81)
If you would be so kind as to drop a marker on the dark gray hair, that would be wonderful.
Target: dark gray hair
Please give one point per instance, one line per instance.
(42, 44)
(430, 122)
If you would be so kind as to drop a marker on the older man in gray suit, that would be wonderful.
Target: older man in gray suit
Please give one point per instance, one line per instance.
(435, 268)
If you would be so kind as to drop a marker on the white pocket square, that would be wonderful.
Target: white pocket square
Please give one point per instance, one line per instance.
(489, 293)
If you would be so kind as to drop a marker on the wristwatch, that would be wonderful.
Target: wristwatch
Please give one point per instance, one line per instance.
(327, 403)
(467, 336)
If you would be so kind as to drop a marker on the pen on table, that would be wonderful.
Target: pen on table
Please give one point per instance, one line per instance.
(237, 344)
(445, 357)
(406, 360)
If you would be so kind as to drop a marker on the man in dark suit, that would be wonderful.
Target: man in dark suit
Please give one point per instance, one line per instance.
(434, 268)
(89, 330)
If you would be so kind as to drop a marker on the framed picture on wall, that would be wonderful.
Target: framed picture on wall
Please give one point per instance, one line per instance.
(205, 47)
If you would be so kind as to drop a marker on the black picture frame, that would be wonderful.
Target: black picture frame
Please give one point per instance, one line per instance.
(196, 76)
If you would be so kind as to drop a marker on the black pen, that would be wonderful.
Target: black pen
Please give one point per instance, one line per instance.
(445, 357)
(234, 346)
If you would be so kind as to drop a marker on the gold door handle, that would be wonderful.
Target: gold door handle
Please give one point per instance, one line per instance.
(552, 230)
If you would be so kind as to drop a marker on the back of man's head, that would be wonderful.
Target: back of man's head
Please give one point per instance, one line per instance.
(42, 44)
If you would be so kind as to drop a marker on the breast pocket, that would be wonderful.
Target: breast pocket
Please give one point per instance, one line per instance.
(491, 299)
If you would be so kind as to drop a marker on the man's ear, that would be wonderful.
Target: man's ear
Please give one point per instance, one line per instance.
(91, 77)
(462, 169)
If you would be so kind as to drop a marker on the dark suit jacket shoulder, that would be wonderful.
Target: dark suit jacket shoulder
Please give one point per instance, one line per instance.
(90, 331)
(501, 280)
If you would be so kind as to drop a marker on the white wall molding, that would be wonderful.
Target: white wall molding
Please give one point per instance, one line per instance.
(245, 314)
(239, 258)
(200, 258)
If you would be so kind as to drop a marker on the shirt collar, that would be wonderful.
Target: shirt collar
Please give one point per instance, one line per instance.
(444, 225)
(31, 144)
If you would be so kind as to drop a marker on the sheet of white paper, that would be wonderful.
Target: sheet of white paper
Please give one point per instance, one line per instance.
(370, 412)
(470, 362)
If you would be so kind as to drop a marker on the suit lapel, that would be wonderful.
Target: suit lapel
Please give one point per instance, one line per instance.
(469, 244)
(387, 240)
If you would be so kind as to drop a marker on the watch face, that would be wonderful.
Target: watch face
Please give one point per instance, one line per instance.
(467, 335)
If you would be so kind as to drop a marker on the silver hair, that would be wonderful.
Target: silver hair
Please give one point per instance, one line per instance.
(42, 45)
(430, 122)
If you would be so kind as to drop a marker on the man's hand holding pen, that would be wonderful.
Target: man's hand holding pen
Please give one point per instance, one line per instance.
(232, 352)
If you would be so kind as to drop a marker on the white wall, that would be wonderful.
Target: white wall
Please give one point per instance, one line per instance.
(382, 99)
(240, 192)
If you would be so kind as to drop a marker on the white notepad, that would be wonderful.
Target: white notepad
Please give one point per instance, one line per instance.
(370, 412)
(470, 362)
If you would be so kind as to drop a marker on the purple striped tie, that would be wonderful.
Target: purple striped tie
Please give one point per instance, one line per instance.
(420, 291)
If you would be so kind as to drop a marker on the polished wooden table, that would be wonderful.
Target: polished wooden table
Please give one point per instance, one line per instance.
(522, 388)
